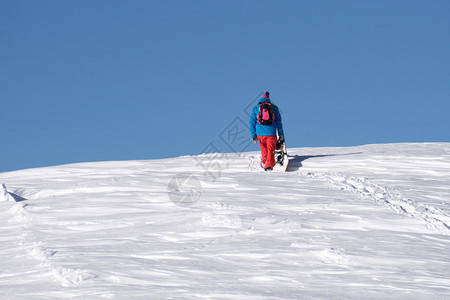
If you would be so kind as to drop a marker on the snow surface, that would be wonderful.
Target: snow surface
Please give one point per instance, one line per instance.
(368, 222)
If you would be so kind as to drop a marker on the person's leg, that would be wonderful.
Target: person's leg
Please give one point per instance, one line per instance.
(263, 145)
(271, 145)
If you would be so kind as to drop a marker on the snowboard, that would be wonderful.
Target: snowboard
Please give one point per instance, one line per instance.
(281, 157)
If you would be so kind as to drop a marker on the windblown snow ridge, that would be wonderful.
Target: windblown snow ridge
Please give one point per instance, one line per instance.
(361, 186)
(7, 196)
(4, 195)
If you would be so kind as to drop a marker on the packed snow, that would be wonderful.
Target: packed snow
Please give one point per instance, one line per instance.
(367, 222)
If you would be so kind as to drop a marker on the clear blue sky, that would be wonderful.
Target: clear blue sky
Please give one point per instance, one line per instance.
(122, 80)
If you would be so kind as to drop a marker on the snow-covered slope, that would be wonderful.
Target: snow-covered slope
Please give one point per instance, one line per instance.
(368, 222)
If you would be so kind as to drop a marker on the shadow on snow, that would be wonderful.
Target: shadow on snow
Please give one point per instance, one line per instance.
(17, 198)
(295, 161)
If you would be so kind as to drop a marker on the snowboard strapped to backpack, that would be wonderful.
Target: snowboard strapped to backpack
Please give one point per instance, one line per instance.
(266, 115)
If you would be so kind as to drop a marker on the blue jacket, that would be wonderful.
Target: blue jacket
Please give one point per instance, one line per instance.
(265, 130)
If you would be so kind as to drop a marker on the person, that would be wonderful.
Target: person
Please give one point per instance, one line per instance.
(265, 121)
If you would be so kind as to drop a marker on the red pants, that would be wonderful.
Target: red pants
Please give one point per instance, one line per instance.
(268, 145)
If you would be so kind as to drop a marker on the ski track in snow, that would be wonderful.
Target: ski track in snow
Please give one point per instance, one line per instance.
(435, 218)
(36, 249)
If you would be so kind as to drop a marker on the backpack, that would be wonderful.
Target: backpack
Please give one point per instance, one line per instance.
(266, 115)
